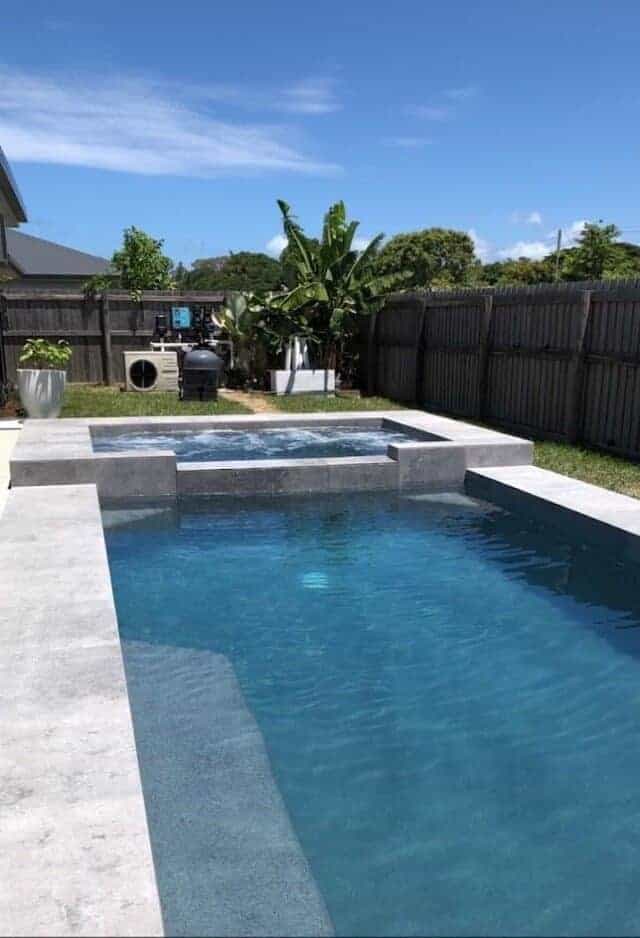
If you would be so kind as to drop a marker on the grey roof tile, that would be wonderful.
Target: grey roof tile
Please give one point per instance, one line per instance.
(36, 257)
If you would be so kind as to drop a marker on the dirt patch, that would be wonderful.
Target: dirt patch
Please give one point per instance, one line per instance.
(258, 403)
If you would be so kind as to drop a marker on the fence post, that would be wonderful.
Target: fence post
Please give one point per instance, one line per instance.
(421, 346)
(105, 328)
(483, 356)
(372, 356)
(575, 376)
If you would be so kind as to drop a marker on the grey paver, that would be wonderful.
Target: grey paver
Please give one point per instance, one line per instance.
(75, 856)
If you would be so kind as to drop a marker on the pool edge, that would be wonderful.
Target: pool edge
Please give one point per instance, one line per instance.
(76, 855)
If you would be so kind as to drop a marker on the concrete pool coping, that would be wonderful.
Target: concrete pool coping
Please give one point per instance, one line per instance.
(603, 517)
(61, 453)
(75, 855)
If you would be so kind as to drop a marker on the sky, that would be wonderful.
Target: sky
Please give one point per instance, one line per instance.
(507, 120)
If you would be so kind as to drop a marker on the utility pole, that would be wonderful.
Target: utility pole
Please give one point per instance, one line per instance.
(558, 246)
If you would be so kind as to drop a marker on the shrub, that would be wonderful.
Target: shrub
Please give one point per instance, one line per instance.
(43, 355)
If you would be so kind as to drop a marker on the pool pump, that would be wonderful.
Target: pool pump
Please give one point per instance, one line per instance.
(202, 369)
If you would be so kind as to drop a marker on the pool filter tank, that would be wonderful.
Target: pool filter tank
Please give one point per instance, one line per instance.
(201, 373)
(201, 368)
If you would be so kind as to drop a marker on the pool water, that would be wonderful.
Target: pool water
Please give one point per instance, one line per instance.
(283, 443)
(449, 695)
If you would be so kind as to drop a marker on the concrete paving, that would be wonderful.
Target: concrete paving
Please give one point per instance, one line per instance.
(75, 857)
(9, 433)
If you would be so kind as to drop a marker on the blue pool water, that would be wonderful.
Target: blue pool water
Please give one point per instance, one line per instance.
(450, 699)
(282, 443)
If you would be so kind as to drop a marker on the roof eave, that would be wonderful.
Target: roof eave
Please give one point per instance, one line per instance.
(10, 190)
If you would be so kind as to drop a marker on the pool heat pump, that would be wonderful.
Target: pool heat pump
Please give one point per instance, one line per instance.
(151, 371)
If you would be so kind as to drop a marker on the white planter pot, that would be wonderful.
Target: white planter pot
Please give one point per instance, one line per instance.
(41, 392)
(303, 381)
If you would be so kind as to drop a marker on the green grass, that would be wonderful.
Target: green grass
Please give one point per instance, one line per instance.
(88, 401)
(611, 472)
(307, 403)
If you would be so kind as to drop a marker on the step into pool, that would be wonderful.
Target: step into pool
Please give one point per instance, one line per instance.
(449, 697)
(277, 443)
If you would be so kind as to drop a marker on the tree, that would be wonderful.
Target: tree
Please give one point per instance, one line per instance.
(246, 272)
(179, 275)
(334, 283)
(436, 257)
(514, 271)
(598, 256)
(138, 265)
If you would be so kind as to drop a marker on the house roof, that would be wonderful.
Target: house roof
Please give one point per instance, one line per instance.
(9, 189)
(35, 257)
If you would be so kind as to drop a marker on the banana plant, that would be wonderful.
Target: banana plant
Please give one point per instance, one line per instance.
(238, 318)
(334, 281)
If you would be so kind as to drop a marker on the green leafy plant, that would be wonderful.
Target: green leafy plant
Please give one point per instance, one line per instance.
(42, 355)
(241, 318)
(139, 265)
(333, 283)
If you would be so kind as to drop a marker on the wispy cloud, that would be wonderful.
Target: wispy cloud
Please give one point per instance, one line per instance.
(407, 143)
(461, 94)
(481, 245)
(429, 112)
(137, 126)
(311, 96)
(276, 245)
(534, 250)
(526, 218)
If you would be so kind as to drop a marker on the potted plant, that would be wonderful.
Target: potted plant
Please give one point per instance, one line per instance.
(41, 383)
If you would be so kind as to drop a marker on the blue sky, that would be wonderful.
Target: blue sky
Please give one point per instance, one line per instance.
(505, 119)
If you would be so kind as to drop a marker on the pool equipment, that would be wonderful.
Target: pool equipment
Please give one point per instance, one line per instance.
(202, 369)
(151, 371)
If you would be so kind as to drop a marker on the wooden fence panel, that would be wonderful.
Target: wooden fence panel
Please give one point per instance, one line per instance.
(397, 340)
(451, 377)
(611, 395)
(530, 348)
(557, 361)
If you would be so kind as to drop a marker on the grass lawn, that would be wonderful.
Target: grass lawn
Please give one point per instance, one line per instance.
(307, 403)
(611, 472)
(82, 400)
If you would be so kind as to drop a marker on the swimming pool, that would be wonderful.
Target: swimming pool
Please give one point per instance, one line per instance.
(245, 444)
(449, 697)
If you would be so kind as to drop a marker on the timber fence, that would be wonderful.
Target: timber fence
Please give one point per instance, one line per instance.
(559, 361)
(98, 328)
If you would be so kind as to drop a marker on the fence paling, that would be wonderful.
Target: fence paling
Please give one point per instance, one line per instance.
(558, 361)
